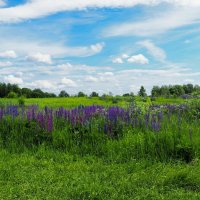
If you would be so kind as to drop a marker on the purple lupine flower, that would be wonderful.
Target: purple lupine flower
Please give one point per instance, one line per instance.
(41, 120)
(147, 119)
(153, 122)
(1, 113)
(50, 123)
(160, 116)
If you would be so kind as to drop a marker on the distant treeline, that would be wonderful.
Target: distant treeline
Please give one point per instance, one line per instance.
(176, 91)
(13, 91)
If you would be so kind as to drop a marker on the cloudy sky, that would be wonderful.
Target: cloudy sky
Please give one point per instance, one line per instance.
(99, 45)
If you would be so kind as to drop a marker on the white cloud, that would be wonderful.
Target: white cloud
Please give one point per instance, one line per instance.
(33, 9)
(96, 48)
(117, 81)
(24, 46)
(108, 74)
(13, 80)
(100, 77)
(91, 79)
(121, 59)
(65, 67)
(155, 51)
(118, 60)
(158, 22)
(39, 57)
(5, 64)
(138, 59)
(68, 82)
(150, 77)
(124, 56)
(8, 54)
(43, 84)
(84, 51)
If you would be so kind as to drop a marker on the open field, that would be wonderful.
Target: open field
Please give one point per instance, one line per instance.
(71, 102)
(140, 151)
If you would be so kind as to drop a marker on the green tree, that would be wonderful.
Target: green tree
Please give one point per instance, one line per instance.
(142, 92)
(63, 93)
(26, 92)
(94, 94)
(81, 94)
(155, 92)
(12, 95)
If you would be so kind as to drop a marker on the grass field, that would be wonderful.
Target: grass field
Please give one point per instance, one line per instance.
(49, 174)
(149, 160)
(86, 101)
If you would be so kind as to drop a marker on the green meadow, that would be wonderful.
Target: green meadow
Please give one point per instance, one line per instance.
(71, 102)
(139, 164)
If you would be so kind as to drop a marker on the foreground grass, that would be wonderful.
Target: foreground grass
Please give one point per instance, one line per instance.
(50, 174)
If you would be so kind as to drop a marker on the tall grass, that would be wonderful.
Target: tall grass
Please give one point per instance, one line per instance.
(159, 132)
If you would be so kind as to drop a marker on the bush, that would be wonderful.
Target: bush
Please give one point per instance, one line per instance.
(21, 101)
(12, 95)
(114, 100)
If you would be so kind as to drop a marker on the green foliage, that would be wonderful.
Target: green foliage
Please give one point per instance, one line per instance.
(12, 95)
(63, 93)
(142, 92)
(175, 90)
(114, 100)
(94, 94)
(81, 94)
(21, 101)
(6, 89)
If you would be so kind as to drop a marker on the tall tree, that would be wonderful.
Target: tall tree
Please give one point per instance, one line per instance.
(63, 93)
(142, 92)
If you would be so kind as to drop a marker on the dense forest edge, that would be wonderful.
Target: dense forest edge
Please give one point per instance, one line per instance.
(168, 91)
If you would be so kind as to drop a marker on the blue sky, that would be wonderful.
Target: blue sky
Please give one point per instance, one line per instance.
(92, 45)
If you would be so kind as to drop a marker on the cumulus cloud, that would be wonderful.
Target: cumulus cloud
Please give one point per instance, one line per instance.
(138, 59)
(121, 59)
(13, 80)
(68, 82)
(8, 54)
(155, 51)
(41, 58)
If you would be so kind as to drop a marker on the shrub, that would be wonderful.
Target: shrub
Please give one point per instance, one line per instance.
(12, 95)
(114, 100)
(21, 101)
